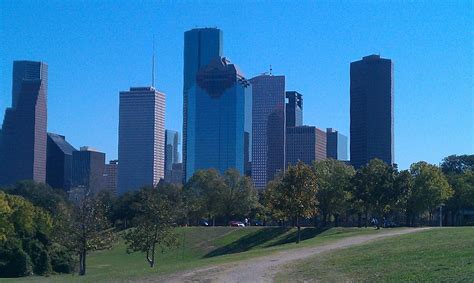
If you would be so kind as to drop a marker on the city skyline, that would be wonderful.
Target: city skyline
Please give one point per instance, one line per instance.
(441, 98)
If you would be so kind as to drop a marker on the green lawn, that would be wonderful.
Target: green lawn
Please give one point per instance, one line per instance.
(203, 246)
(437, 255)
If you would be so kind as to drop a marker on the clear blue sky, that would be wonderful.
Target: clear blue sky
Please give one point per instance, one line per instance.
(95, 49)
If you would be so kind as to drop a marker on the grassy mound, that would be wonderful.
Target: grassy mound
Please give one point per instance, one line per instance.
(438, 255)
(200, 246)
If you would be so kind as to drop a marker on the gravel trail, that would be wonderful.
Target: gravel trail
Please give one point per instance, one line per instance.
(263, 269)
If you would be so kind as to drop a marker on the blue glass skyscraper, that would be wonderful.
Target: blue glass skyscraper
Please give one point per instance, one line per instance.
(217, 124)
(200, 47)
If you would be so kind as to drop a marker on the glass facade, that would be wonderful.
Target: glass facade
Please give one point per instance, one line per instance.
(336, 145)
(200, 47)
(219, 124)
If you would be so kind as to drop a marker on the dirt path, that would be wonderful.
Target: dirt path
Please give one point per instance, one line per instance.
(263, 269)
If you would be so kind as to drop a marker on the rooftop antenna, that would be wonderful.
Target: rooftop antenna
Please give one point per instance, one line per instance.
(153, 64)
(271, 70)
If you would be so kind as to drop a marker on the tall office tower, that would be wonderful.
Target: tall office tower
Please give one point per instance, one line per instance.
(176, 174)
(371, 110)
(219, 121)
(200, 47)
(59, 162)
(111, 176)
(294, 109)
(305, 143)
(336, 145)
(88, 167)
(268, 128)
(171, 152)
(141, 152)
(23, 134)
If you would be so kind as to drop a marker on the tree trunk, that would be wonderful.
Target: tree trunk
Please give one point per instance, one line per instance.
(359, 219)
(299, 229)
(336, 220)
(82, 263)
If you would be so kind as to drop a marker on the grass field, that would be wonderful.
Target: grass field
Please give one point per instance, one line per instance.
(437, 255)
(200, 246)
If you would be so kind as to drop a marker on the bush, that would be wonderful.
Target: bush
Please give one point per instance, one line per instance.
(39, 257)
(14, 261)
(61, 260)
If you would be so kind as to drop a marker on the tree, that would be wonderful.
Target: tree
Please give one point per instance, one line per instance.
(457, 164)
(154, 224)
(459, 171)
(294, 197)
(333, 179)
(239, 196)
(403, 185)
(40, 195)
(203, 194)
(373, 188)
(86, 228)
(430, 188)
(24, 237)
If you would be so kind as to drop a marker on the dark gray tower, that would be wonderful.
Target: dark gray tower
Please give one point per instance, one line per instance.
(23, 134)
(268, 126)
(371, 110)
(59, 162)
(200, 47)
(294, 109)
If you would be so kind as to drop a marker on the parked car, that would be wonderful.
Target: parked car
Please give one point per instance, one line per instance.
(257, 223)
(203, 222)
(236, 224)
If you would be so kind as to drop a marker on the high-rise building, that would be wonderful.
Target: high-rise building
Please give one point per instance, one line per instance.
(111, 176)
(371, 110)
(176, 174)
(268, 128)
(172, 143)
(23, 134)
(200, 47)
(219, 119)
(294, 109)
(336, 145)
(59, 162)
(88, 167)
(141, 145)
(306, 144)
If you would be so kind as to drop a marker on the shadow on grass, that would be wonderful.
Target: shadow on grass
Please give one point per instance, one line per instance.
(306, 233)
(248, 242)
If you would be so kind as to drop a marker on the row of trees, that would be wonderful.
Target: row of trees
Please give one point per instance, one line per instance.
(41, 232)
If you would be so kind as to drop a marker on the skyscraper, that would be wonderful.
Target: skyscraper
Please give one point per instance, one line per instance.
(171, 151)
(141, 145)
(219, 123)
(111, 176)
(268, 128)
(200, 47)
(306, 144)
(371, 93)
(23, 134)
(59, 162)
(336, 145)
(88, 167)
(294, 109)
